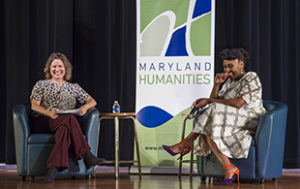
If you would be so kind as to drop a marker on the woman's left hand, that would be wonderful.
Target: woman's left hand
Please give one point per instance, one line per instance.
(82, 111)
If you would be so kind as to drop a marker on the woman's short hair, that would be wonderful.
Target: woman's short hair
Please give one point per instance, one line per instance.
(235, 53)
(64, 59)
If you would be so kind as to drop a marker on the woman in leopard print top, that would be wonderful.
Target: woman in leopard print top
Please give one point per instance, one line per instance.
(46, 91)
(56, 93)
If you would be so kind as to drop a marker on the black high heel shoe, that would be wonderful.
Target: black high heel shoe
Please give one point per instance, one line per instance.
(91, 160)
(50, 176)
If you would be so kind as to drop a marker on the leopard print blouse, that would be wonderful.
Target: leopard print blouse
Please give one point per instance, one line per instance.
(66, 98)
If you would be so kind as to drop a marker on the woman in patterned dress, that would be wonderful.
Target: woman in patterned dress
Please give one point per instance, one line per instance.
(226, 126)
(56, 93)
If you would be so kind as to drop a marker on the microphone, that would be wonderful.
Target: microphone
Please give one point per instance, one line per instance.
(191, 114)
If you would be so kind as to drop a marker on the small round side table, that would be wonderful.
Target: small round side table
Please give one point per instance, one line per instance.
(116, 117)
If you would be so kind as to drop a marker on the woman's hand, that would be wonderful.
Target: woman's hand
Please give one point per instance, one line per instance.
(82, 111)
(90, 103)
(201, 102)
(220, 78)
(53, 114)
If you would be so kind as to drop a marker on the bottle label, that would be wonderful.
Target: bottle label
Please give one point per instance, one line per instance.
(116, 109)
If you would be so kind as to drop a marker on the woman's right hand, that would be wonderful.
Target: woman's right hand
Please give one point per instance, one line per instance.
(201, 102)
(220, 78)
(53, 114)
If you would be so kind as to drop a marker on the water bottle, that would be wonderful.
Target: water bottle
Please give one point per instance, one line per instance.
(116, 107)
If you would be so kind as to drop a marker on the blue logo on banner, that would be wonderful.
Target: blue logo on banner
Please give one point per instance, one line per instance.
(151, 116)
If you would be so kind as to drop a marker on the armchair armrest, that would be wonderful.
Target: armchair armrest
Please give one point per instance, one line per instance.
(270, 138)
(92, 130)
(21, 132)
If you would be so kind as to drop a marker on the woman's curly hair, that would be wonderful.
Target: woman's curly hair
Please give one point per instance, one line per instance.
(235, 53)
(64, 59)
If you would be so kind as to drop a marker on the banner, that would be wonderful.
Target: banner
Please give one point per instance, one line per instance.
(175, 66)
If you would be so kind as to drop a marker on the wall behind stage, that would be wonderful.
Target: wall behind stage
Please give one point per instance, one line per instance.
(99, 37)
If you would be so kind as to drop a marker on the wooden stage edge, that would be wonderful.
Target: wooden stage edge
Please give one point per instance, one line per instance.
(104, 178)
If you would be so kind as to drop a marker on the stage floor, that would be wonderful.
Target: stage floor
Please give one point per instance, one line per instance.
(105, 179)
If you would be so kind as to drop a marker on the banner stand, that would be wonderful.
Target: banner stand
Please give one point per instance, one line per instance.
(162, 170)
(175, 66)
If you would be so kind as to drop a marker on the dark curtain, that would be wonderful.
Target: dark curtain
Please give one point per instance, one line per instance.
(99, 37)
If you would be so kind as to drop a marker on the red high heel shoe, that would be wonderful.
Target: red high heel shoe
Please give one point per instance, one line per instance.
(182, 153)
(230, 180)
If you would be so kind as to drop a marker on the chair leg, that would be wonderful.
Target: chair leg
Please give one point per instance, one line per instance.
(192, 160)
(180, 169)
(182, 137)
(261, 181)
(137, 148)
(211, 181)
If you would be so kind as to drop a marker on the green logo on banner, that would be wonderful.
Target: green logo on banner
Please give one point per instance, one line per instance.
(175, 28)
